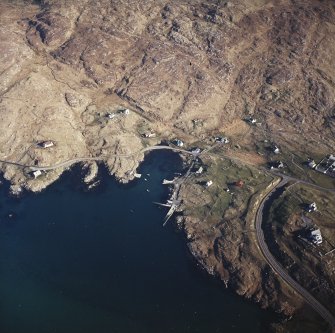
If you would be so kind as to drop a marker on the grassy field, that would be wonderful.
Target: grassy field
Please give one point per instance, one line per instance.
(224, 193)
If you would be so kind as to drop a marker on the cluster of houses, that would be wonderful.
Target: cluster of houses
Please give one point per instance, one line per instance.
(276, 164)
(43, 145)
(313, 234)
(218, 139)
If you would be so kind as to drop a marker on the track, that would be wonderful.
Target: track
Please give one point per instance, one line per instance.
(68, 163)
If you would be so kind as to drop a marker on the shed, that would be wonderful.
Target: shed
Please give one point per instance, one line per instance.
(239, 183)
(125, 112)
(46, 144)
(311, 164)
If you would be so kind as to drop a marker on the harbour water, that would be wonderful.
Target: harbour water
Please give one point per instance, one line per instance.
(100, 261)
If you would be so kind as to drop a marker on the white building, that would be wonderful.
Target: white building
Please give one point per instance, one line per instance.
(253, 120)
(209, 183)
(312, 207)
(196, 151)
(315, 236)
(179, 143)
(332, 161)
(111, 115)
(276, 150)
(311, 164)
(46, 144)
(200, 170)
(277, 165)
(149, 135)
(125, 112)
(221, 139)
(37, 173)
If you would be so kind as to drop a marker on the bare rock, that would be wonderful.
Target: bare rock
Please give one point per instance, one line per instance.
(72, 100)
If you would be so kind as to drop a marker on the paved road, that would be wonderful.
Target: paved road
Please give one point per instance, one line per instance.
(301, 181)
(315, 304)
(88, 159)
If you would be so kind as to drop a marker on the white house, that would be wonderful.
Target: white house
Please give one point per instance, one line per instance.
(312, 207)
(253, 120)
(277, 165)
(200, 170)
(46, 144)
(276, 150)
(179, 143)
(149, 135)
(315, 236)
(37, 173)
(209, 183)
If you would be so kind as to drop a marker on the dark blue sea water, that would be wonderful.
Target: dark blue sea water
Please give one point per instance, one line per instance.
(74, 261)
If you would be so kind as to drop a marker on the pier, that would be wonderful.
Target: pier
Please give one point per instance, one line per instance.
(174, 201)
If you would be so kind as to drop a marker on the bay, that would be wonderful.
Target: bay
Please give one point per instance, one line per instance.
(100, 261)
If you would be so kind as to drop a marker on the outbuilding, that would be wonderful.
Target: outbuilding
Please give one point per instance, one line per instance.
(311, 164)
(125, 112)
(46, 144)
(239, 183)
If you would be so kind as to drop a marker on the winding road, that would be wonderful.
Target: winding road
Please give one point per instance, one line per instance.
(68, 163)
(314, 303)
